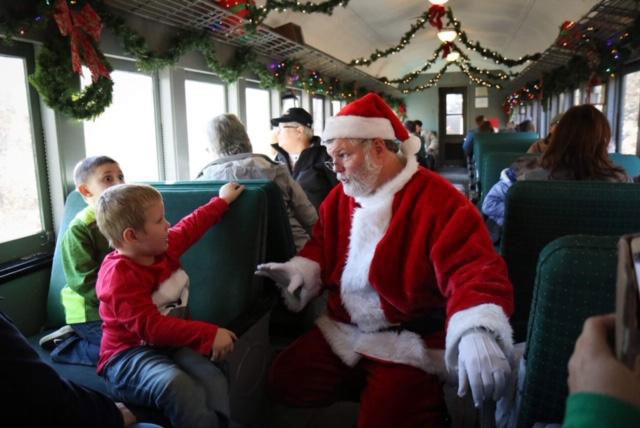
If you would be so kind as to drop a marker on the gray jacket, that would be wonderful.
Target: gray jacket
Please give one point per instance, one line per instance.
(248, 166)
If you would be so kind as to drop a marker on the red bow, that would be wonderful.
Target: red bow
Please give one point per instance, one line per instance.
(446, 49)
(81, 27)
(436, 12)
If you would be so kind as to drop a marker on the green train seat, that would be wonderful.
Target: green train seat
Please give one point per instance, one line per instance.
(537, 212)
(223, 288)
(630, 163)
(576, 278)
(494, 163)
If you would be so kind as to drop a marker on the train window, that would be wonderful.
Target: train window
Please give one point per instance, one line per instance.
(335, 107)
(596, 97)
(455, 115)
(204, 100)
(24, 199)
(258, 115)
(127, 131)
(630, 110)
(291, 98)
(577, 97)
(318, 115)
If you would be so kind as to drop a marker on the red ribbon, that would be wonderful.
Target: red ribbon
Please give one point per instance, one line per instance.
(446, 49)
(436, 13)
(82, 27)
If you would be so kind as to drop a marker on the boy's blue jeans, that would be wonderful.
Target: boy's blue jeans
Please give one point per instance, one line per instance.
(188, 388)
(83, 347)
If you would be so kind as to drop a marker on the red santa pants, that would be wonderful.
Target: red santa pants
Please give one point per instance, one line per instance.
(309, 374)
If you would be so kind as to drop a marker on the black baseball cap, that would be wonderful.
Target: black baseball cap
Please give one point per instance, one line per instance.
(294, 114)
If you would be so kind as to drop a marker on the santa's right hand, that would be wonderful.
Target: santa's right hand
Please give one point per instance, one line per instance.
(283, 274)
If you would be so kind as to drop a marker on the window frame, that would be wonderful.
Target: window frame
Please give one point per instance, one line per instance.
(42, 242)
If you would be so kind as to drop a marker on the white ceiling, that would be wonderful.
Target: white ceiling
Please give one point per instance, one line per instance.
(511, 27)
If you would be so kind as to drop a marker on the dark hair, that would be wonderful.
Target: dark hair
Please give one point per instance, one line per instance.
(411, 126)
(526, 126)
(85, 168)
(579, 144)
(479, 119)
(486, 127)
(418, 122)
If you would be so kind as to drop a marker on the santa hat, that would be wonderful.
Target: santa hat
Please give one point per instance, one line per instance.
(370, 117)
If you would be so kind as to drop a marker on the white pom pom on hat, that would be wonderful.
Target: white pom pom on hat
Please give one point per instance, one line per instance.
(370, 117)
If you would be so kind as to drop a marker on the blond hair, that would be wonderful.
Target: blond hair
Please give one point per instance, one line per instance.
(124, 206)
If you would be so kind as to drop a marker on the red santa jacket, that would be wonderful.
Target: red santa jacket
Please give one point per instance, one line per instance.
(415, 245)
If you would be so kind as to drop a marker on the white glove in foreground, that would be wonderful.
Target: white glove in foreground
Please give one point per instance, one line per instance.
(283, 274)
(483, 366)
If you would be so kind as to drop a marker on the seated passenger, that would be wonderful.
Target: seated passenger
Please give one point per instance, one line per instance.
(541, 145)
(36, 396)
(228, 139)
(83, 249)
(412, 127)
(577, 151)
(404, 256)
(432, 150)
(150, 355)
(604, 392)
(303, 154)
(526, 126)
(486, 128)
(467, 145)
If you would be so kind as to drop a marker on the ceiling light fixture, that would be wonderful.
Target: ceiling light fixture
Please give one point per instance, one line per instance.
(438, 2)
(452, 56)
(447, 35)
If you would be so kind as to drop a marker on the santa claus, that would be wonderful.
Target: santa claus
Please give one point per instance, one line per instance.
(405, 258)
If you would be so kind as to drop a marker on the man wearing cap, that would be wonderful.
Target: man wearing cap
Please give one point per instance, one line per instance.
(415, 285)
(303, 154)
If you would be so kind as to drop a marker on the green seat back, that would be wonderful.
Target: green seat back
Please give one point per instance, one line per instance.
(505, 142)
(575, 279)
(630, 163)
(494, 163)
(280, 245)
(220, 265)
(537, 212)
(55, 311)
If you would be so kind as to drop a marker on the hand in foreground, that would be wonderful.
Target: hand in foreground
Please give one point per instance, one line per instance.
(128, 417)
(593, 367)
(230, 192)
(482, 366)
(283, 274)
(222, 344)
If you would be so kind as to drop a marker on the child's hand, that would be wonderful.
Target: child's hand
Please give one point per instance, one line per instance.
(222, 344)
(230, 191)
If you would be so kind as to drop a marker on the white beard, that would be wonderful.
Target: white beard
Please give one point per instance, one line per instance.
(363, 182)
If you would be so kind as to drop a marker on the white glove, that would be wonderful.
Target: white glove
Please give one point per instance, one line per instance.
(289, 279)
(483, 365)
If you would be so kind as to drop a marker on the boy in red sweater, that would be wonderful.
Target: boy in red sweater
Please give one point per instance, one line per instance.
(150, 356)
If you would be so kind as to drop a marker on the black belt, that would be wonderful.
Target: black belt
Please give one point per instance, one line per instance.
(423, 325)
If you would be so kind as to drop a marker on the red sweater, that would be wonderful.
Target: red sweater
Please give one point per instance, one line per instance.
(124, 287)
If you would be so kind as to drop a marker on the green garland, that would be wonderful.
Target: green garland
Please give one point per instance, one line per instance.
(404, 41)
(259, 13)
(55, 80)
(485, 52)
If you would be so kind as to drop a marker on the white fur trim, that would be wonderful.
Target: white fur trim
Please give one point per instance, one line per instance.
(312, 283)
(405, 347)
(488, 316)
(411, 146)
(172, 293)
(369, 225)
(358, 127)
(341, 338)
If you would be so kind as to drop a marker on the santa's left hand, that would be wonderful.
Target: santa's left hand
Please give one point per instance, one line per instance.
(483, 366)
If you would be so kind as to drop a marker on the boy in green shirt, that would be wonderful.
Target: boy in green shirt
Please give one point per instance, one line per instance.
(83, 249)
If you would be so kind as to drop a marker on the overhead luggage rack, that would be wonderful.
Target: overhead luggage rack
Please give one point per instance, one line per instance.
(606, 20)
(227, 28)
